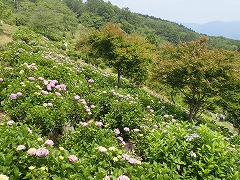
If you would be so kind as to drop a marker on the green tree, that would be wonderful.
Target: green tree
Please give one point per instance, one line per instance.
(194, 71)
(129, 55)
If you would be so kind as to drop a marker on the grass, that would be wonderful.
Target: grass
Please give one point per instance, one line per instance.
(6, 32)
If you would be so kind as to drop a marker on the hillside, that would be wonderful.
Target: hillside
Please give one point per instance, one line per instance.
(95, 14)
(67, 120)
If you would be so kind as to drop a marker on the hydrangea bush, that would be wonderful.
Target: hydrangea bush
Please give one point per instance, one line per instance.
(68, 120)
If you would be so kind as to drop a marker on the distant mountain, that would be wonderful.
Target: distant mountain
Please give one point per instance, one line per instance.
(217, 28)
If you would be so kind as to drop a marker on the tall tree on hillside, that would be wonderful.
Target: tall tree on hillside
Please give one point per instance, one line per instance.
(194, 71)
(129, 55)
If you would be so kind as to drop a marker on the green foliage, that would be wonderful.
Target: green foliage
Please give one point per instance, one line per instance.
(129, 55)
(90, 129)
(195, 72)
(190, 151)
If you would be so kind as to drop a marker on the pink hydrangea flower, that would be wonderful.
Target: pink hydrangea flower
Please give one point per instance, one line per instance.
(21, 147)
(116, 131)
(151, 110)
(31, 79)
(41, 79)
(31, 151)
(13, 96)
(19, 94)
(174, 120)
(49, 87)
(132, 160)
(120, 138)
(49, 142)
(1, 79)
(41, 152)
(77, 97)
(49, 104)
(107, 177)
(72, 158)
(92, 106)
(98, 123)
(84, 124)
(126, 156)
(91, 81)
(44, 92)
(166, 116)
(126, 129)
(123, 177)
(155, 126)
(10, 123)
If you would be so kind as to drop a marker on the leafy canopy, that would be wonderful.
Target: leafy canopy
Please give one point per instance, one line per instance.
(194, 71)
(128, 54)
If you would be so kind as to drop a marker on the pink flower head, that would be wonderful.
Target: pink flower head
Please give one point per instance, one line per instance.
(41, 79)
(1, 79)
(92, 106)
(49, 87)
(10, 123)
(123, 177)
(21, 147)
(132, 160)
(49, 104)
(88, 110)
(120, 138)
(31, 151)
(107, 177)
(166, 116)
(84, 124)
(19, 94)
(44, 92)
(155, 126)
(91, 81)
(98, 123)
(41, 152)
(77, 97)
(167, 126)
(61, 87)
(102, 149)
(126, 156)
(72, 158)
(116, 131)
(163, 107)
(126, 129)
(151, 110)
(13, 96)
(49, 142)
(174, 120)
(31, 79)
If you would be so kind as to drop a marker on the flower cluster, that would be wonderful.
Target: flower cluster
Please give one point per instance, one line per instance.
(14, 96)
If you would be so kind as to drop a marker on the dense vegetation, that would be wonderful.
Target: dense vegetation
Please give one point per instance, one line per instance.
(67, 118)
(43, 15)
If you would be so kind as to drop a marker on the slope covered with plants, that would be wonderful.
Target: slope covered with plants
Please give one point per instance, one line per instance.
(58, 19)
(69, 120)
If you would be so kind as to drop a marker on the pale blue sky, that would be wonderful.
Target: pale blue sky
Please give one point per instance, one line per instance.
(185, 11)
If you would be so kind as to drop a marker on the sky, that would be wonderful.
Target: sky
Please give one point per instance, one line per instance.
(185, 11)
